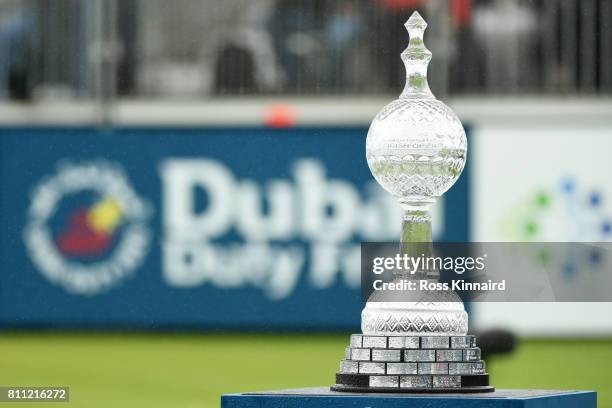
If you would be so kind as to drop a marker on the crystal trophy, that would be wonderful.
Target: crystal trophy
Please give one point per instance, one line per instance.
(416, 149)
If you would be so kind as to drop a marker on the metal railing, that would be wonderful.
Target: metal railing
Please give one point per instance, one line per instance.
(103, 49)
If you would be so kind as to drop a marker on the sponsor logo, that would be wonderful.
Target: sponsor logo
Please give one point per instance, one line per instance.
(86, 227)
(566, 212)
(234, 233)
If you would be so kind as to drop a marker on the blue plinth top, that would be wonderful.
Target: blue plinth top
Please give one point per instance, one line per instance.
(322, 397)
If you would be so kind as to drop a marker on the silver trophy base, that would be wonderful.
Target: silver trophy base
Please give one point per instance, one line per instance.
(412, 364)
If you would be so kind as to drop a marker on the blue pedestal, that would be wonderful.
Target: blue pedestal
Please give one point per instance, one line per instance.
(322, 397)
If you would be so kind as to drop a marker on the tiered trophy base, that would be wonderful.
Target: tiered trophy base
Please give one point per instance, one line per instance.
(412, 364)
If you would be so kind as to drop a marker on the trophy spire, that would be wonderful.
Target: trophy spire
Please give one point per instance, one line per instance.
(416, 25)
(416, 59)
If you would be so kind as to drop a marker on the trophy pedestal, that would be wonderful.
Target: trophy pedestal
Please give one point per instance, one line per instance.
(323, 397)
(411, 364)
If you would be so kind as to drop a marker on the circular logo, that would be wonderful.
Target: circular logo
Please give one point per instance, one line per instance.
(87, 228)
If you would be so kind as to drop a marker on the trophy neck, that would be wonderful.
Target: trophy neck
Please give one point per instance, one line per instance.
(417, 86)
(416, 225)
(416, 240)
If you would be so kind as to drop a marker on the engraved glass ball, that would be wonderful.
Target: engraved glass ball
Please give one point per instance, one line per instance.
(416, 148)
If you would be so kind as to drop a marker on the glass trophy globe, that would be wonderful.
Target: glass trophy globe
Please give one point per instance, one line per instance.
(416, 149)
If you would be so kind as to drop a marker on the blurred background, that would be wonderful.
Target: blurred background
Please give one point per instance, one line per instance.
(183, 185)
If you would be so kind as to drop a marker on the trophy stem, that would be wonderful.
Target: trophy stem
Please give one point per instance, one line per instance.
(416, 241)
(416, 225)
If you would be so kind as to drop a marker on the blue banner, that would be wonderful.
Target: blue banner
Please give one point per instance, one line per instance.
(204, 228)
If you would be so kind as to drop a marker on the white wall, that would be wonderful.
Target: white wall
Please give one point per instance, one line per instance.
(513, 161)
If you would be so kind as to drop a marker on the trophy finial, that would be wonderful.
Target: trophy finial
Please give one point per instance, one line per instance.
(416, 58)
(416, 25)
